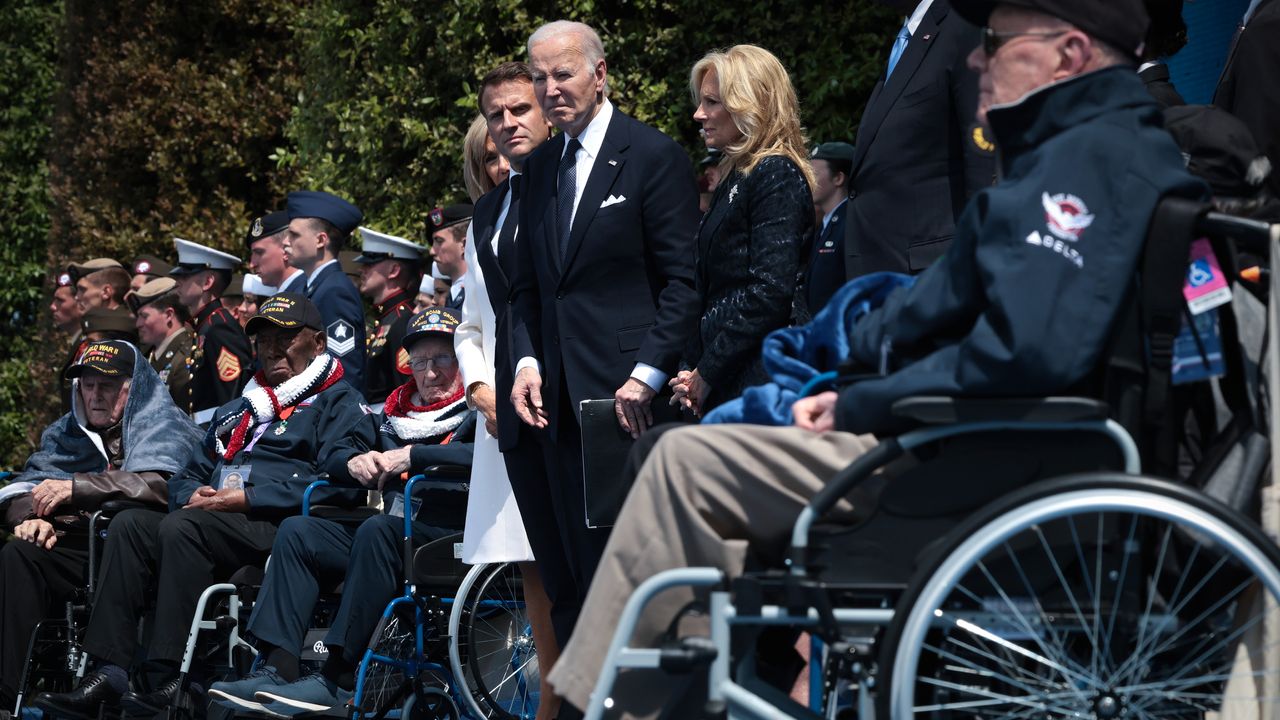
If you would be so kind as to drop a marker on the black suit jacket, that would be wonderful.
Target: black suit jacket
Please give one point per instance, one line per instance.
(1249, 87)
(919, 153)
(624, 292)
(497, 285)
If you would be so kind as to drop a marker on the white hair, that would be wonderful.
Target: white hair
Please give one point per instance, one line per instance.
(588, 40)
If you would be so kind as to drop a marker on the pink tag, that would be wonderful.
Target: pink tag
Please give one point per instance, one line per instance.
(1206, 287)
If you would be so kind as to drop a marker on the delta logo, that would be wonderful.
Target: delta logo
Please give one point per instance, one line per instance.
(1066, 215)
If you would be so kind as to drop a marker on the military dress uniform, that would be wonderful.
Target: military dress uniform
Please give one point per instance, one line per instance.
(220, 359)
(386, 360)
(388, 363)
(329, 287)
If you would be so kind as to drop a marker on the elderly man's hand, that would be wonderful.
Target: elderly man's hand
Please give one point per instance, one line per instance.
(526, 396)
(631, 405)
(364, 468)
(226, 500)
(48, 495)
(392, 464)
(816, 412)
(38, 532)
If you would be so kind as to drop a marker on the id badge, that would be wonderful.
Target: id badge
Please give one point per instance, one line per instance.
(1197, 351)
(233, 477)
(397, 506)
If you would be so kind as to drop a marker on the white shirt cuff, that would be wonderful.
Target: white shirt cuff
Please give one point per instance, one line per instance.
(529, 361)
(649, 375)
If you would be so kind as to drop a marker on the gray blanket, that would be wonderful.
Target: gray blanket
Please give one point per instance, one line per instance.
(157, 436)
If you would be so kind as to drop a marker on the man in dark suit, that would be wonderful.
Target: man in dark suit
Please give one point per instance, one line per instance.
(603, 297)
(517, 127)
(319, 225)
(920, 154)
(1248, 87)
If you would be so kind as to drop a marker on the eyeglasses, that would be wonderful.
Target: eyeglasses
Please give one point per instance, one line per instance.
(993, 41)
(444, 361)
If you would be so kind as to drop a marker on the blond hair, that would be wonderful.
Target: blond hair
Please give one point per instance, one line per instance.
(474, 175)
(757, 92)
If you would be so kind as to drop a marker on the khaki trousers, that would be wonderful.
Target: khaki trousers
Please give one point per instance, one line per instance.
(705, 497)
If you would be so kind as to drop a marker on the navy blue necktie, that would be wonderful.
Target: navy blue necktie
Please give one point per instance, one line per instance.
(567, 190)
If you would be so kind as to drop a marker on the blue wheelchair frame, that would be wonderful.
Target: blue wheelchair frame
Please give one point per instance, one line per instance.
(419, 662)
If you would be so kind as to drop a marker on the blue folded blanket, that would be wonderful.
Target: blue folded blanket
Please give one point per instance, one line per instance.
(792, 356)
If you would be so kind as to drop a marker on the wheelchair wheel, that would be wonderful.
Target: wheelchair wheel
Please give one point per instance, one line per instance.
(491, 644)
(382, 680)
(431, 701)
(1092, 596)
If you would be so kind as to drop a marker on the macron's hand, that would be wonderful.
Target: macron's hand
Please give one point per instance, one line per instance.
(526, 396)
(817, 412)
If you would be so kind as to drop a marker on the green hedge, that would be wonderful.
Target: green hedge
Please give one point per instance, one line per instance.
(125, 123)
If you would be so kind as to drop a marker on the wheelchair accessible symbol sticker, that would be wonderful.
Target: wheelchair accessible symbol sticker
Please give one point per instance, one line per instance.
(1206, 287)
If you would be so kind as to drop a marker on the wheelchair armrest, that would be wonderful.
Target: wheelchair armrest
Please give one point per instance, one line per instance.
(115, 507)
(930, 410)
(448, 472)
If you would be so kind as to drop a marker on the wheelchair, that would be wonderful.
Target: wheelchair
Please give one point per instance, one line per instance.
(1012, 561)
(55, 661)
(456, 643)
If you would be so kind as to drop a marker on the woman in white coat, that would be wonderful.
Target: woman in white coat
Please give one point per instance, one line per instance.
(494, 531)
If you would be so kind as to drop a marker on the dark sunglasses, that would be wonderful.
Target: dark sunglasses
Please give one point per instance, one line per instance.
(993, 41)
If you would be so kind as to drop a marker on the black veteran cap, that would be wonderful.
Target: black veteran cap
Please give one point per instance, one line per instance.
(150, 292)
(266, 226)
(113, 358)
(714, 156)
(840, 151)
(450, 215)
(150, 265)
(88, 267)
(432, 321)
(326, 206)
(101, 319)
(286, 310)
(1122, 23)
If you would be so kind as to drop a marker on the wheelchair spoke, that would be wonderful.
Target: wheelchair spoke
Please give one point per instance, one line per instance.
(1071, 596)
(1039, 704)
(1058, 640)
(1144, 668)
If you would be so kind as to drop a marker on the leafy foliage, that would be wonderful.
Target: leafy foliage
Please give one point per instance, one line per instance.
(126, 123)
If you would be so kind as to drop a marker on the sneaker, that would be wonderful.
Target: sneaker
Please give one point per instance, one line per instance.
(313, 693)
(238, 694)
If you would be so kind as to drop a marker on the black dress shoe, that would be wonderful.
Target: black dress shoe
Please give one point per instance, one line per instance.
(82, 701)
(151, 703)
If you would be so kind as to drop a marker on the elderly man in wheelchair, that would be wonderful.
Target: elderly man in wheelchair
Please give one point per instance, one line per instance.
(225, 505)
(1048, 288)
(122, 440)
(425, 423)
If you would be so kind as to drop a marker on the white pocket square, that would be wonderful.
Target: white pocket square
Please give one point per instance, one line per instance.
(613, 200)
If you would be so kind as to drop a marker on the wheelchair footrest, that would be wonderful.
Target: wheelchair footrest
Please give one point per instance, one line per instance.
(686, 655)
